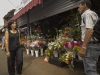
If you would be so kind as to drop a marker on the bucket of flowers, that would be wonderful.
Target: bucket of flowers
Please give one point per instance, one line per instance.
(57, 47)
(27, 47)
(67, 58)
(48, 53)
(36, 47)
(41, 43)
(32, 48)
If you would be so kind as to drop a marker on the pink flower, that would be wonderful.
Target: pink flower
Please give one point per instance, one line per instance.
(68, 44)
(47, 45)
(79, 43)
(75, 43)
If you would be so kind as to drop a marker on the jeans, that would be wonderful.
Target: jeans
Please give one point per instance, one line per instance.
(91, 59)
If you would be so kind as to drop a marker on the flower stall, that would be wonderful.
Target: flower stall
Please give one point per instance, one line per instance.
(67, 42)
(62, 43)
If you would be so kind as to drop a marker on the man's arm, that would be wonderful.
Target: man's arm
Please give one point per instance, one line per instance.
(88, 34)
(88, 37)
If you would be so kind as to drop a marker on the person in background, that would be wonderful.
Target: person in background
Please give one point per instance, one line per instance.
(13, 49)
(89, 51)
(3, 41)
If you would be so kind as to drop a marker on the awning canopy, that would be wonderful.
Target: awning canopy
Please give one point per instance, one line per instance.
(29, 6)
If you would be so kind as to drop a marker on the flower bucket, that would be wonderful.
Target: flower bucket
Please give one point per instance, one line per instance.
(27, 51)
(41, 51)
(55, 53)
(80, 58)
(32, 52)
(37, 53)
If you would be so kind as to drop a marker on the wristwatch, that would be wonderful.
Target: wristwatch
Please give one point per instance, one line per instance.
(84, 48)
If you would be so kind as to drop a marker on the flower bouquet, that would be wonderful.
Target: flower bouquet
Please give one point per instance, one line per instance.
(49, 49)
(76, 48)
(48, 53)
(57, 45)
(27, 47)
(42, 43)
(28, 44)
(67, 58)
(32, 48)
(36, 46)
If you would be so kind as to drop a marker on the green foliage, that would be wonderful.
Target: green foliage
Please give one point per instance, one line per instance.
(75, 25)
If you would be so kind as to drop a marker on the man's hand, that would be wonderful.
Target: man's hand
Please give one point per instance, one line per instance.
(82, 52)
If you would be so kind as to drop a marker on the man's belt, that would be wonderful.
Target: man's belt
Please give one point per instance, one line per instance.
(94, 42)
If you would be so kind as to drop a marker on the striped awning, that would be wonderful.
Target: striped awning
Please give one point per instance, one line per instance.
(29, 6)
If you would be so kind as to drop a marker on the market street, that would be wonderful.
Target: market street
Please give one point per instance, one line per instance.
(50, 37)
(36, 66)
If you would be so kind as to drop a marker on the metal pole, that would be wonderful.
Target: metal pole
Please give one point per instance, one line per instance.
(28, 28)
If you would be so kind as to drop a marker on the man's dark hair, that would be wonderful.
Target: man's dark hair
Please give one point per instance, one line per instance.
(10, 23)
(87, 2)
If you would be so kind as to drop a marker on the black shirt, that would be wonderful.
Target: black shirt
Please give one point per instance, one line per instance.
(13, 40)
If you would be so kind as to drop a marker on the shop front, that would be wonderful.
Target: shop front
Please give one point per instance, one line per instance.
(47, 9)
(53, 26)
(58, 22)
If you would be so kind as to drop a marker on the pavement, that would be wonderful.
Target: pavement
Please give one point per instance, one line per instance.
(36, 66)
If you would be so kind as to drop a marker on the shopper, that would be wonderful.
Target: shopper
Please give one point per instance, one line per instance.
(89, 51)
(3, 41)
(13, 50)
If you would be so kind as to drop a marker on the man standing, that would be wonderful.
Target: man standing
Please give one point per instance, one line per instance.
(89, 51)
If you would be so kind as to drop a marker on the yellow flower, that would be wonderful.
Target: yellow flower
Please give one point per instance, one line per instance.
(76, 48)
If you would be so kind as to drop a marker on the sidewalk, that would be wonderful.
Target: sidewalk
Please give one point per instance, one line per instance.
(36, 66)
